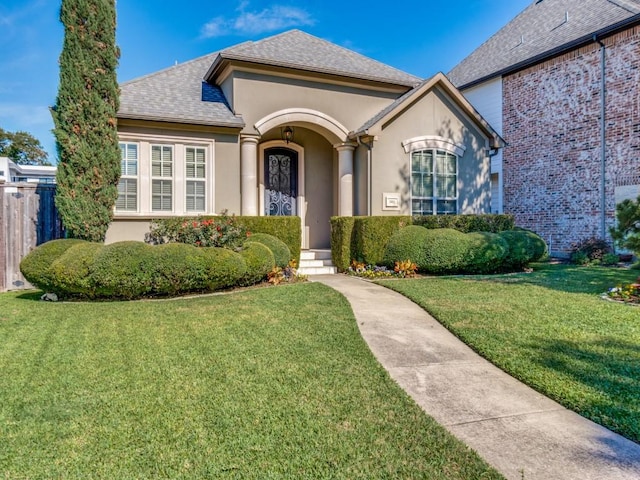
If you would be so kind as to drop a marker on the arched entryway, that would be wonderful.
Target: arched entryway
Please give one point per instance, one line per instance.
(310, 176)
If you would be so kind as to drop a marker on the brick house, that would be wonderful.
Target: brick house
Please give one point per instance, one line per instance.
(561, 84)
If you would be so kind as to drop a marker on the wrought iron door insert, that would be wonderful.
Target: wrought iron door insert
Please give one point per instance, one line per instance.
(281, 181)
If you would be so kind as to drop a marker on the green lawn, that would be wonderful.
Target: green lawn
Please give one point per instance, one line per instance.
(550, 329)
(265, 383)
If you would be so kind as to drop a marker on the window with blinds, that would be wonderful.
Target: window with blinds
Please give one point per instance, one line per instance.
(161, 178)
(196, 198)
(128, 185)
(434, 182)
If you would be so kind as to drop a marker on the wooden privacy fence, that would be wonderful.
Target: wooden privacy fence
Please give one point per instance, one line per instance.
(28, 217)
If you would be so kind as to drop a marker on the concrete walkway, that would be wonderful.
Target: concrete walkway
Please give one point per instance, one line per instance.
(521, 433)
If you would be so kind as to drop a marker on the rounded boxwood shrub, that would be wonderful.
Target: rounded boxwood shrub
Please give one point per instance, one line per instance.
(35, 266)
(225, 268)
(406, 244)
(71, 272)
(178, 268)
(524, 247)
(280, 251)
(487, 253)
(445, 251)
(259, 260)
(124, 270)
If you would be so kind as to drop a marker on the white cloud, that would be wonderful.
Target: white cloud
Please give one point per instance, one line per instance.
(272, 18)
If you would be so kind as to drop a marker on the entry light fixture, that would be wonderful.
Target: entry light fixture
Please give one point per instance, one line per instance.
(287, 134)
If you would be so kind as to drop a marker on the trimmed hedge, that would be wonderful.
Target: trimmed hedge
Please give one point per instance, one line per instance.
(35, 266)
(488, 252)
(445, 250)
(365, 238)
(287, 229)
(260, 261)
(129, 270)
(280, 251)
(371, 235)
(225, 268)
(124, 270)
(450, 251)
(407, 244)
(341, 241)
(524, 247)
(467, 223)
(72, 271)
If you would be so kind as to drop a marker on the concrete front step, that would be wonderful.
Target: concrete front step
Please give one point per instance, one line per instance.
(316, 262)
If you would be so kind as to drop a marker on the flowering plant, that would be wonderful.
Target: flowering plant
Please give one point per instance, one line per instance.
(219, 231)
(627, 293)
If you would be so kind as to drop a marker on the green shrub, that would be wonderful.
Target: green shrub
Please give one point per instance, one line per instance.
(71, 272)
(487, 252)
(371, 235)
(445, 251)
(610, 259)
(280, 251)
(178, 268)
(407, 244)
(467, 223)
(124, 270)
(217, 231)
(35, 266)
(226, 268)
(260, 261)
(626, 233)
(203, 231)
(588, 250)
(524, 247)
(287, 229)
(341, 241)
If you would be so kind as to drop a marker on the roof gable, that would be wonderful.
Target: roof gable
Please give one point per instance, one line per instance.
(298, 50)
(542, 30)
(375, 124)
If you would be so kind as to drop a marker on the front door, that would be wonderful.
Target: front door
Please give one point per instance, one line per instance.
(280, 181)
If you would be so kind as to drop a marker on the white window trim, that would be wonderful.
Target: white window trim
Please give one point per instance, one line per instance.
(170, 179)
(131, 177)
(188, 179)
(179, 142)
(434, 176)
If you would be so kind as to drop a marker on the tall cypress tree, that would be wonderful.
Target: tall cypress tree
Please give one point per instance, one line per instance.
(85, 118)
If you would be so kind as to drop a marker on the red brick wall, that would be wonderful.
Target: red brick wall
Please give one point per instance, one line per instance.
(551, 114)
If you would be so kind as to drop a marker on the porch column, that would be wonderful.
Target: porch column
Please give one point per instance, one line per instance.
(345, 179)
(249, 174)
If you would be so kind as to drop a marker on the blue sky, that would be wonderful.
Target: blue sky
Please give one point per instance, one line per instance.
(421, 38)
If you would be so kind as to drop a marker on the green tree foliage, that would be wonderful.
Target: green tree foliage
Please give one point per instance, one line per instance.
(627, 232)
(22, 148)
(85, 118)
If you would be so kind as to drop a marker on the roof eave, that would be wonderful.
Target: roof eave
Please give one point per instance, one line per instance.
(579, 42)
(224, 59)
(187, 121)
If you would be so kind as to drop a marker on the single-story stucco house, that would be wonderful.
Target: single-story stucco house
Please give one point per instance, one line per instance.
(295, 125)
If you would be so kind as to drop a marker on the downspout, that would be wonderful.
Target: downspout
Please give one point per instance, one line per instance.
(369, 147)
(603, 146)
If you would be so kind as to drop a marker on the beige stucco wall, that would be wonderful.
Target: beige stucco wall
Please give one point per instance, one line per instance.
(319, 184)
(433, 114)
(259, 95)
(223, 169)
